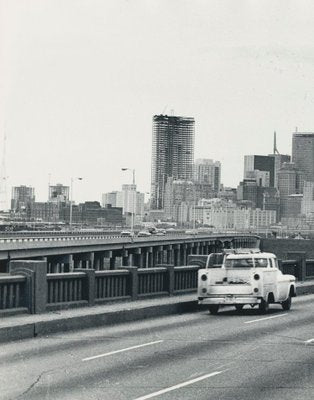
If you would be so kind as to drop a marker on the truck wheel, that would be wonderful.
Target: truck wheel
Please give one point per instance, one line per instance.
(239, 307)
(286, 305)
(213, 309)
(264, 306)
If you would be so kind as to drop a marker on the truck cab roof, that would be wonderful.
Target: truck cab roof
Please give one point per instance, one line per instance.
(250, 255)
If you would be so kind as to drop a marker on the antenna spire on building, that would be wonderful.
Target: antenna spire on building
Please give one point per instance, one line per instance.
(275, 145)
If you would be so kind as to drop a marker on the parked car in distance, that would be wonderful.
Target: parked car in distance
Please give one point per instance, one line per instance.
(127, 234)
(161, 232)
(144, 234)
(191, 232)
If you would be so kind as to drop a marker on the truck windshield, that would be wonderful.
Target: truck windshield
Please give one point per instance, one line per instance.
(239, 263)
(246, 263)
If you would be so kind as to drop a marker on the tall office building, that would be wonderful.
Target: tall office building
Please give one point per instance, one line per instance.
(172, 153)
(207, 171)
(290, 179)
(279, 159)
(307, 206)
(303, 153)
(260, 163)
(59, 193)
(21, 197)
(110, 198)
(128, 199)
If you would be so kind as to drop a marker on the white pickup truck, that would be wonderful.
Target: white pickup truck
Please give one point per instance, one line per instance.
(245, 278)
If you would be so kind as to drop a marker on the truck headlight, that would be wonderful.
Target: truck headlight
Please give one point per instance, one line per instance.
(204, 277)
(256, 277)
(255, 289)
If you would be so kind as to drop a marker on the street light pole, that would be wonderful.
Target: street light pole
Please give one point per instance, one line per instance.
(134, 197)
(71, 199)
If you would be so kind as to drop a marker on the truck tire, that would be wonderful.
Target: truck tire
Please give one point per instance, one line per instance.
(286, 305)
(239, 307)
(213, 309)
(263, 306)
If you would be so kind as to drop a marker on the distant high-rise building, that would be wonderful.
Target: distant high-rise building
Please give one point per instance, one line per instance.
(279, 159)
(303, 153)
(260, 163)
(172, 153)
(290, 179)
(307, 206)
(59, 193)
(261, 177)
(177, 193)
(128, 199)
(207, 171)
(247, 190)
(110, 198)
(21, 197)
(290, 206)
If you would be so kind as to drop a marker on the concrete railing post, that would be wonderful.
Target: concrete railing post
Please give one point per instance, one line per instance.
(133, 281)
(36, 274)
(300, 257)
(170, 277)
(90, 285)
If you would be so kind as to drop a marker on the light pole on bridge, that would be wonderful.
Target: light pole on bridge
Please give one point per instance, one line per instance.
(134, 197)
(71, 198)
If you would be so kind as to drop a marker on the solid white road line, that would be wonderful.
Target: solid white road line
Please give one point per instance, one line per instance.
(122, 350)
(180, 385)
(264, 319)
(309, 341)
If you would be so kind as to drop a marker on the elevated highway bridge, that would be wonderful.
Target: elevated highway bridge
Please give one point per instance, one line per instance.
(65, 252)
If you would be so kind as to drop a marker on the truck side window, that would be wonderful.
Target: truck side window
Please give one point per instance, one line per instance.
(273, 263)
(260, 262)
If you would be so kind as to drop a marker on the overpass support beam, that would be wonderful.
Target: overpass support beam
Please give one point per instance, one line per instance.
(176, 254)
(183, 254)
(150, 261)
(197, 247)
(99, 260)
(125, 258)
(169, 255)
(105, 259)
(84, 260)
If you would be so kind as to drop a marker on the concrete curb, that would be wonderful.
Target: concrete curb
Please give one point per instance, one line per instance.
(63, 324)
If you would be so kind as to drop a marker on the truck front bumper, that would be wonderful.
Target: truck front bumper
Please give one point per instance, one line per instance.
(229, 300)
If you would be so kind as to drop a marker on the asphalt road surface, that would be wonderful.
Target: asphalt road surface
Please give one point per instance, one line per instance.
(192, 356)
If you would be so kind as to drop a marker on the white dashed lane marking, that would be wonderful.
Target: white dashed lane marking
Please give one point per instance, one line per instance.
(122, 350)
(264, 319)
(180, 385)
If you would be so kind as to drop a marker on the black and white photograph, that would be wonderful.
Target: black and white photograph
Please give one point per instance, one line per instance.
(156, 199)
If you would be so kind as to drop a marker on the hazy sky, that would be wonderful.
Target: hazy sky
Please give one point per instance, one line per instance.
(81, 79)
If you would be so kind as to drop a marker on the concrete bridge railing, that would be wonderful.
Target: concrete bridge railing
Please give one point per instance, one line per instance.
(29, 288)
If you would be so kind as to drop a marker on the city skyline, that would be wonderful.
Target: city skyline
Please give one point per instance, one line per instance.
(81, 82)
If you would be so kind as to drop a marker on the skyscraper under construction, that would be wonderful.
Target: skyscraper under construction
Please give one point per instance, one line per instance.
(172, 153)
